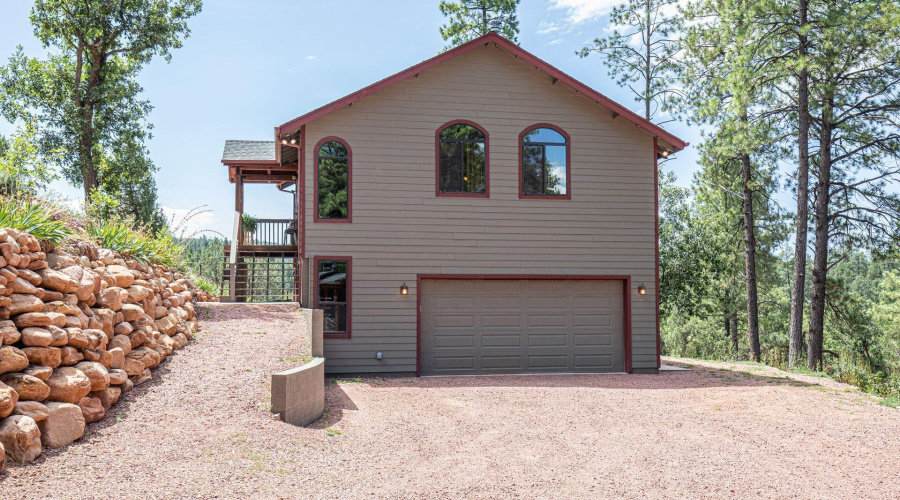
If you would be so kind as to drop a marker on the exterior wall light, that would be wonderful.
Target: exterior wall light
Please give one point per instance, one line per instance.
(404, 290)
(642, 290)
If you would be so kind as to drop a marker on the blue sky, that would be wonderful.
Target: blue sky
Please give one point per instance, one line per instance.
(251, 65)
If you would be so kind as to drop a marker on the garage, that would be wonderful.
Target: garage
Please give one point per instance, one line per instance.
(492, 326)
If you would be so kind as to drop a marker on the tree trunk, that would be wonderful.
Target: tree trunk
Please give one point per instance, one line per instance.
(820, 258)
(735, 347)
(750, 260)
(648, 67)
(799, 279)
(89, 177)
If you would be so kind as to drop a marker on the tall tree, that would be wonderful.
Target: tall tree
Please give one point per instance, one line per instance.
(798, 291)
(83, 98)
(855, 91)
(641, 49)
(470, 19)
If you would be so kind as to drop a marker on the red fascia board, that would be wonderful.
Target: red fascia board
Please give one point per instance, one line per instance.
(508, 46)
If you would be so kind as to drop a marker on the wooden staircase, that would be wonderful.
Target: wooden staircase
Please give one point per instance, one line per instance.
(261, 273)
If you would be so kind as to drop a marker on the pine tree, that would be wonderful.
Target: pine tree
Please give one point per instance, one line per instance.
(470, 19)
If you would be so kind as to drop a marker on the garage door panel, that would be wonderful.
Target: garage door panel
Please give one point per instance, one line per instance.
(543, 361)
(501, 320)
(514, 326)
(509, 340)
(501, 363)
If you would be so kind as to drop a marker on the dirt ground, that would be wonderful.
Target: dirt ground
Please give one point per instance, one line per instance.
(201, 429)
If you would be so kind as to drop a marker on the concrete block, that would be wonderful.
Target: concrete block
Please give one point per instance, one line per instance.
(298, 394)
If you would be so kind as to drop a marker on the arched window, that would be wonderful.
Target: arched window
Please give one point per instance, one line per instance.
(544, 162)
(462, 160)
(332, 181)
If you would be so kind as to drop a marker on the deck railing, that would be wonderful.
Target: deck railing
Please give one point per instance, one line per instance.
(271, 232)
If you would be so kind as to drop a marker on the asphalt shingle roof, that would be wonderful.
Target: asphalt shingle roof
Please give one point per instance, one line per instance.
(249, 150)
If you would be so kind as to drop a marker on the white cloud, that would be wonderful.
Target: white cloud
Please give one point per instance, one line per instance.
(545, 28)
(556, 42)
(310, 58)
(187, 222)
(580, 11)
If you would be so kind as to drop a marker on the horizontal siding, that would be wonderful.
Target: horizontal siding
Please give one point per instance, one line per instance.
(401, 229)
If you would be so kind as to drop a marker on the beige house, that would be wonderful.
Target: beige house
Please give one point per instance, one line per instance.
(478, 213)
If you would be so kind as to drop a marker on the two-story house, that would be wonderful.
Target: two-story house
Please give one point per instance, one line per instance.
(478, 213)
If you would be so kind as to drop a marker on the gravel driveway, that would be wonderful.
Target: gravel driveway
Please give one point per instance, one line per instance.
(202, 429)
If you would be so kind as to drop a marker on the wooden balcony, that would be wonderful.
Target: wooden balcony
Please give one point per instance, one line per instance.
(270, 233)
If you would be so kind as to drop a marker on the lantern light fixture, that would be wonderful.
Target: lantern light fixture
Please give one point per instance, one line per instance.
(642, 290)
(404, 290)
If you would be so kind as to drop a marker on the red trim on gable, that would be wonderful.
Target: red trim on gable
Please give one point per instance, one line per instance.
(626, 302)
(509, 47)
(437, 161)
(315, 294)
(568, 195)
(316, 217)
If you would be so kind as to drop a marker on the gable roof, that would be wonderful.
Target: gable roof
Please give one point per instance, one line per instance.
(509, 47)
(248, 151)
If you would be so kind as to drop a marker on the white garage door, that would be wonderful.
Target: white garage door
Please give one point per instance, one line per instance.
(520, 326)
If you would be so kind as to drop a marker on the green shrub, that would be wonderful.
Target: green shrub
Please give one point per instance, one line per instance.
(205, 285)
(122, 237)
(33, 217)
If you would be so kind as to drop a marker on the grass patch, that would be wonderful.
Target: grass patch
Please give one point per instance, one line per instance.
(34, 218)
(891, 402)
(300, 360)
(254, 333)
(332, 432)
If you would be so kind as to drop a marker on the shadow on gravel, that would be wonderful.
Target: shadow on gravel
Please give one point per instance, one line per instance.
(336, 403)
(700, 377)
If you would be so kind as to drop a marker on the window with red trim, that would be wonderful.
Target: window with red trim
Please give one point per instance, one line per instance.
(545, 163)
(332, 181)
(462, 160)
(333, 295)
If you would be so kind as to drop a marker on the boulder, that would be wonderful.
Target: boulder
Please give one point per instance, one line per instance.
(68, 385)
(97, 339)
(117, 376)
(45, 356)
(138, 337)
(36, 337)
(116, 358)
(131, 312)
(42, 373)
(108, 396)
(70, 356)
(9, 334)
(64, 425)
(122, 342)
(136, 294)
(180, 340)
(56, 319)
(143, 378)
(58, 306)
(124, 277)
(8, 399)
(96, 372)
(60, 260)
(127, 386)
(120, 329)
(12, 359)
(22, 303)
(167, 325)
(91, 409)
(21, 438)
(33, 409)
(21, 285)
(34, 319)
(57, 281)
(77, 338)
(133, 367)
(29, 388)
(111, 298)
(60, 336)
(147, 356)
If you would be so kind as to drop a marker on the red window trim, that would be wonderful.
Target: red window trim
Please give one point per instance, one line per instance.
(316, 217)
(315, 300)
(437, 162)
(522, 195)
(626, 304)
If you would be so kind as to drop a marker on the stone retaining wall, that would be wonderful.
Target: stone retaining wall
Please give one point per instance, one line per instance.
(76, 332)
